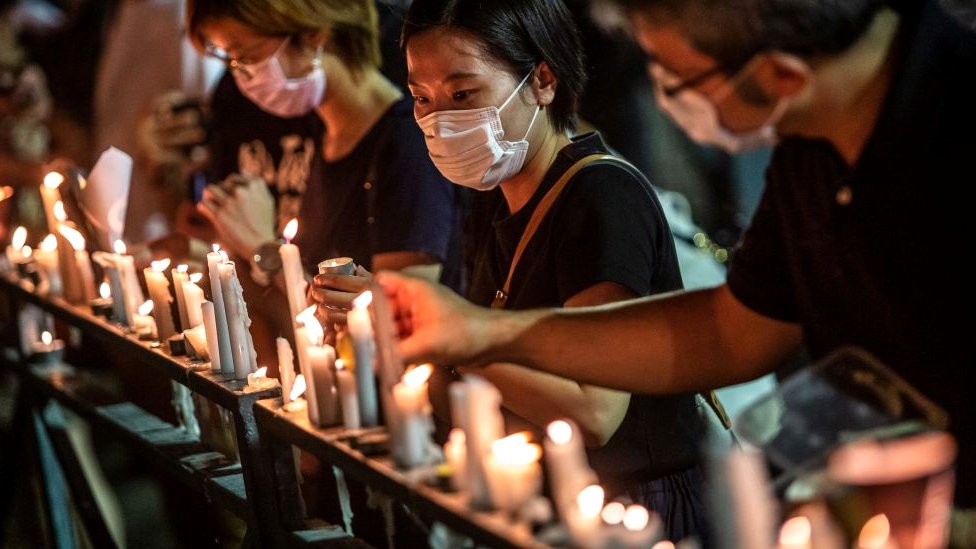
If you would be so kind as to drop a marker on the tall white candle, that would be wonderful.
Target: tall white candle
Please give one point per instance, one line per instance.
(583, 516)
(51, 195)
(110, 267)
(476, 408)
(456, 454)
(193, 299)
(348, 396)
(566, 464)
(159, 293)
(291, 268)
(320, 359)
(16, 246)
(144, 323)
(286, 368)
(82, 262)
(302, 343)
(47, 257)
(364, 349)
(513, 471)
(214, 260)
(411, 438)
(210, 328)
(131, 291)
(179, 277)
(238, 322)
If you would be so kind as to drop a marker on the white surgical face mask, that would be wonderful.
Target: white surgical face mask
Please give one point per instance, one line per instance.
(467, 148)
(267, 86)
(698, 117)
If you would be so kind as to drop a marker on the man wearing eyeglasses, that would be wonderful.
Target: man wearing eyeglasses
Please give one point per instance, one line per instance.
(857, 237)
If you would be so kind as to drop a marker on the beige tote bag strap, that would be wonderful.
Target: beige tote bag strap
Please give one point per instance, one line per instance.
(501, 296)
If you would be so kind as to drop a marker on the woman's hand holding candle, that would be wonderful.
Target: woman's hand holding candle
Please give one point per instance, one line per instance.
(333, 294)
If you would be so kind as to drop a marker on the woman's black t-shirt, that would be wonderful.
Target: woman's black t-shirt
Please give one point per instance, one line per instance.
(605, 226)
(408, 207)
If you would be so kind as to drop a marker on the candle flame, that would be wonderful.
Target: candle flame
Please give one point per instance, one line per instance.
(146, 308)
(663, 544)
(875, 532)
(182, 268)
(46, 337)
(363, 300)
(215, 247)
(104, 290)
(340, 364)
(19, 238)
(306, 313)
(261, 372)
(314, 329)
(223, 256)
(59, 212)
(457, 437)
(560, 432)
(53, 180)
(6, 192)
(119, 247)
(613, 513)
(82, 182)
(515, 450)
(795, 531)
(636, 518)
(74, 237)
(298, 388)
(590, 500)
(50, 243)
(160, 266)
(196, 277)
(415, 377)
(290, 230)
(26, 251)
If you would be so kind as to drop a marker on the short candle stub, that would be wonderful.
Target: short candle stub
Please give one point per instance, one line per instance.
(338, 266)
(177, 345)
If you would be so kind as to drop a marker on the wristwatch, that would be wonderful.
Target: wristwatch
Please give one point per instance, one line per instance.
(267, 258)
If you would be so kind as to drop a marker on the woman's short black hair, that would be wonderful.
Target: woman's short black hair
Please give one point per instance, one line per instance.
(519, 34)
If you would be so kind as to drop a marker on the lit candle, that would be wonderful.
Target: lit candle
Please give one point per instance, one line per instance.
(179, 277)
(456, 455)
(238, 322)
(15, 248)
(82, 262)
(50, 195)
(337, 265)
(47, 349)
(318, 364)
(145, 326)
(196, 339)
(476, 408)
(102, 305)
(131, 291)
(583, 518)
(297, 403)
(159, 293)
(214, 260)
(364, 349)
(348, 397)
(193, 299)
(210, 328)
(291, 268)
(47, 258)
(613, 513)
(639, 528)
(566, 464)
(411, 438)
(795, 533)
(259, 380)
(110, 268)
(513, 472)
(286, 368)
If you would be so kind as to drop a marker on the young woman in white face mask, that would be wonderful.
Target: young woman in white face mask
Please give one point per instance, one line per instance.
(372, 193)
(562, 223)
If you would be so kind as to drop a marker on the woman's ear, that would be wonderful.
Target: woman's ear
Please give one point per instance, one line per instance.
(315, 40)
(544, 85)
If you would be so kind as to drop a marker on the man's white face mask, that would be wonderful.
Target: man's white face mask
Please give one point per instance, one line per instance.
(697, 114)
(467, 146)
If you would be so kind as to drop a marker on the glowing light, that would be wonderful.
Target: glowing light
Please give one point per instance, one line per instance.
(665, 544)
(515, 450)
(119, 247)
(291, 229)
(50, 243)
(613, 513)
(875, 532)
(560, 432)
(82, 182)
(590, 500)
(415, 377)
(298, 388)
(19, 238)
(6, 192)
(215, 247)
(363, 300)
(182, 268)
(26, 251)
(59, 213)
(340, 364)
(74, 237)
(160, 266)
(105, 291)
(636, 518)
(795, 532)
(196, 278)
(223, 256)
(46, 337)
(146, 308)
(53, 180)
(312, 326)
(261, 372)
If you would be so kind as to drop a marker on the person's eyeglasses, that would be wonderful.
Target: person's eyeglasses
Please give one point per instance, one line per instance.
(232, 63)
(679, 85)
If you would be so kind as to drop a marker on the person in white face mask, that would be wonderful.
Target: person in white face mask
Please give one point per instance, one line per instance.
(560, 222)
